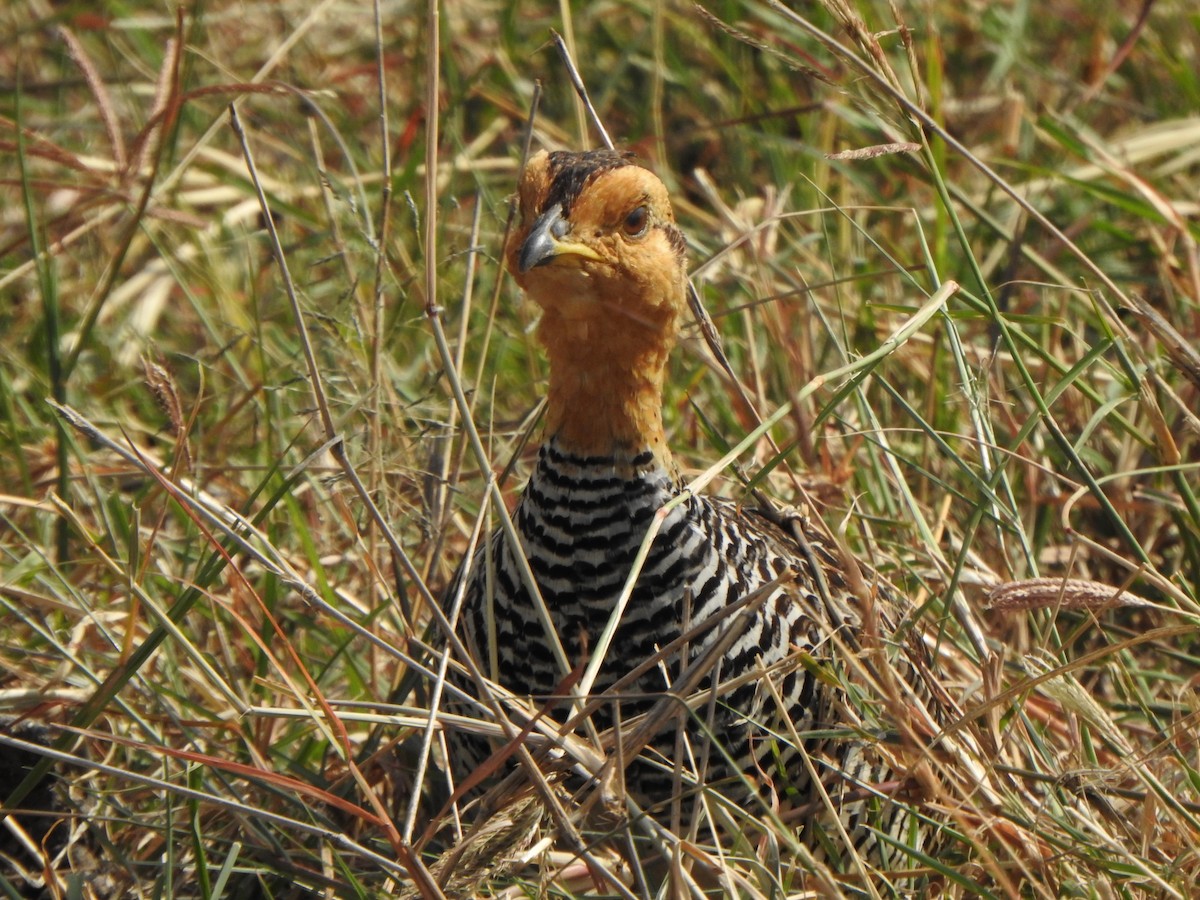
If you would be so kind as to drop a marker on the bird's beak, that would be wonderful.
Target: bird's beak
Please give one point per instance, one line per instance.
(545, 243)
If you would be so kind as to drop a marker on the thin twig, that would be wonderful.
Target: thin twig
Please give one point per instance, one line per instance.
(580, 88)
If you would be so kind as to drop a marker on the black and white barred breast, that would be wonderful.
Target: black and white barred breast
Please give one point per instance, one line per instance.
(581, 522)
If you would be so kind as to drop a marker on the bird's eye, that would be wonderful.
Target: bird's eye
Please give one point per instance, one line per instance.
(635, 223)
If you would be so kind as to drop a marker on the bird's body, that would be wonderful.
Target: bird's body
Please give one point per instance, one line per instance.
(597, 249)
(582, 522)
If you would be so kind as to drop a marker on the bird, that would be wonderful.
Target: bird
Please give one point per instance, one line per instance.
(768, 606)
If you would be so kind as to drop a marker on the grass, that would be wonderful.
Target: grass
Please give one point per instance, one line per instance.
(224, 640)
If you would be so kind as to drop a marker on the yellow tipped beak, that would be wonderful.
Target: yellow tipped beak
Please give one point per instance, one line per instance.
(545, 243)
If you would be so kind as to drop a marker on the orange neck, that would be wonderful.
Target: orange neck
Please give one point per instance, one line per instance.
(606, 381)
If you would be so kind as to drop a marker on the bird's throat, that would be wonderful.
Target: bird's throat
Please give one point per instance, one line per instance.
(605, 397)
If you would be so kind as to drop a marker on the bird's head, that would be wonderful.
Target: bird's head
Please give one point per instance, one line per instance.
(598, 250)
(597, 245)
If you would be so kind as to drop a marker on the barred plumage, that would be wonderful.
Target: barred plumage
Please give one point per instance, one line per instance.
(598, 250)
(581, 533)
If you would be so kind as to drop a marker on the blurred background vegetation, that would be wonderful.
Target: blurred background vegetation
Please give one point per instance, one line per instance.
(832, 164)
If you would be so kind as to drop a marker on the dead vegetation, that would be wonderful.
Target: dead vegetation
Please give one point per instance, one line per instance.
(231, 490)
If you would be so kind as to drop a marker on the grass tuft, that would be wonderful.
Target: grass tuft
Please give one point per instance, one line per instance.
(253, 416)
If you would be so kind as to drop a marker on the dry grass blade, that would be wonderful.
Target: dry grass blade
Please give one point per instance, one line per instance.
(1182, 353)
(281, 417)
(580, 88)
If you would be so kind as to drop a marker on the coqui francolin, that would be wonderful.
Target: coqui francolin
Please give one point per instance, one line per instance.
(598, 250)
